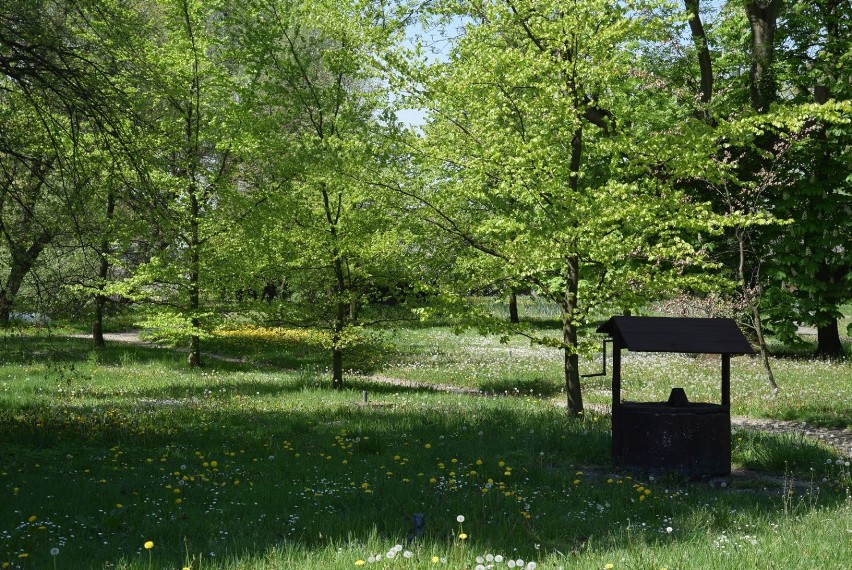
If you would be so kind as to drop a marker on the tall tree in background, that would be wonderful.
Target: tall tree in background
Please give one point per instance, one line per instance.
(542, 158)
(810, 269)
(193, 98)
(317, 103)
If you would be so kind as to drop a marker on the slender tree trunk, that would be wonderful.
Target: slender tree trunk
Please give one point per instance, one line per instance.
(828, 340)
(752, 303)
(513, 307)
(354, 310)
(194, 358)
(340, 322)
(336, 348)
(570, 302)
(569, 338)
(341, 287)
(103, 275)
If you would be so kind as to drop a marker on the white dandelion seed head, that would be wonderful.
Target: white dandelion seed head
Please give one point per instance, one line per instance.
(669, 529)
(460, 518)
(54, 551)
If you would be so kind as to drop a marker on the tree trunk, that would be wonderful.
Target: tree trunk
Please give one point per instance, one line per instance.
(513, 307)
(762, 18)
(747, 289)
(702, 48)
(22, 261)
(194, 358)
(103, 275)
(764, 352)
(828, 340)
(336, 348)
(354, 310)
(569, 338)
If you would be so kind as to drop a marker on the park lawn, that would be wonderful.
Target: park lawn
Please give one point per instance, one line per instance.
(238, 467)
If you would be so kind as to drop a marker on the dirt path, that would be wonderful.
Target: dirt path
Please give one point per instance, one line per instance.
(133, 338)
(839, 439)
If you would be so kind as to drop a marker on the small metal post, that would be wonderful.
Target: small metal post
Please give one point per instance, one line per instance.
(364, 396)
(616, 398)
(726, 380)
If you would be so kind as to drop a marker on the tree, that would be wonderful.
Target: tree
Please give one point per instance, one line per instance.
(190, 165)
(542, 159)
(817, 191)
(317, 108)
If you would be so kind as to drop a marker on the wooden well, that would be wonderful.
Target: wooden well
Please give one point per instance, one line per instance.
(690, 438)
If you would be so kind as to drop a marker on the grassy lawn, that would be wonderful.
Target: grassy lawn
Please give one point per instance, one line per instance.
(260, 465)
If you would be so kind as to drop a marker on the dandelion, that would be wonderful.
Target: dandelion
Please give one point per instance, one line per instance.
(608, 566)
(359, 562)
(32, 518)
(462, 536)
(460, 518)
(435, 560)
(669, 529)
(149, 545)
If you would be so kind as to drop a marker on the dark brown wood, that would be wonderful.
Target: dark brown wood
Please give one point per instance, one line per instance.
(616, 398)
(687, 335)
(691, 438)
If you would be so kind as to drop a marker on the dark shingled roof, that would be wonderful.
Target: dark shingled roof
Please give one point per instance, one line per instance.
(666, 334)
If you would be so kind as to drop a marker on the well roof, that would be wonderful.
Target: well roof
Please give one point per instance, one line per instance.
(668, 334)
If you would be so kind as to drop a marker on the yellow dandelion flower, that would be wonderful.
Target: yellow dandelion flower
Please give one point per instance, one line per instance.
(435, 560)
(32, 518)
(359, 562)
(462, 536)
(149, 545)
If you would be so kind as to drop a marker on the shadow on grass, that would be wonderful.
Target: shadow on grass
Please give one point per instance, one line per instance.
(238, 465)
(780, 453)
(231, 474)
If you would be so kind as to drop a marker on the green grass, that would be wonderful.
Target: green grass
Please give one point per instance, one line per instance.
(240, 466)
